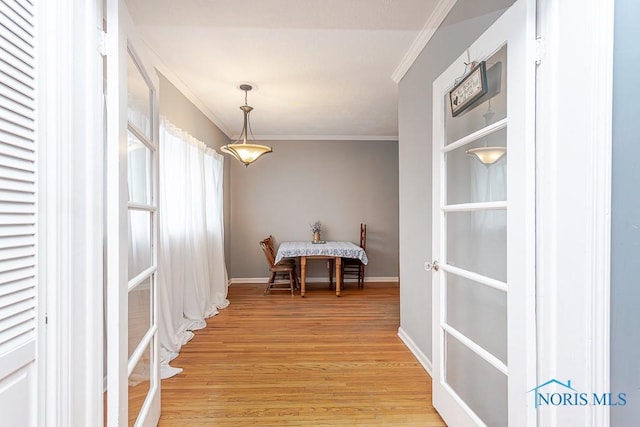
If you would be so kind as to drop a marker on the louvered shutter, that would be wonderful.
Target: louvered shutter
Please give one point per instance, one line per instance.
(17, 209)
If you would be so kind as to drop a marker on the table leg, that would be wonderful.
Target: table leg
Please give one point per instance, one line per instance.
(338, 271)
(303, 275)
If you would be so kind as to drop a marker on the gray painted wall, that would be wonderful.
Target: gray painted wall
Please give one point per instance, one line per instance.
(466, 21)
(625, 239)
(339, 183)
(183, 114)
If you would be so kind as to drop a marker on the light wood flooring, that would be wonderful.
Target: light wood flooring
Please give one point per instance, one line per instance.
(279, 360)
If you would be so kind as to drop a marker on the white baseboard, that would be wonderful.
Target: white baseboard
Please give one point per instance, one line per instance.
(422, 358)
(254, 280)
(378, 280)
(247, 280)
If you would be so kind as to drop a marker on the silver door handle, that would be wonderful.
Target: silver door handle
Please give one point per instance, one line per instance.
(432, 266)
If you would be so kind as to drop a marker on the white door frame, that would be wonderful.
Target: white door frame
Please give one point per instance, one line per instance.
(574, 102)
(116, 217)
(70, 272)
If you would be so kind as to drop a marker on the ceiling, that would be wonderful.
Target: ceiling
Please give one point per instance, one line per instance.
(322, 68)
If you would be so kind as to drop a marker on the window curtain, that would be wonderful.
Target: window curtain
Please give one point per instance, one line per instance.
(489, 183)
(192, 277)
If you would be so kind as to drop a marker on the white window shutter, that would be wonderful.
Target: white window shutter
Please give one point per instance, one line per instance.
(17, 184)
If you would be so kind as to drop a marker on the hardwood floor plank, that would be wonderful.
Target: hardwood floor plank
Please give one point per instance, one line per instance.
(278, 360)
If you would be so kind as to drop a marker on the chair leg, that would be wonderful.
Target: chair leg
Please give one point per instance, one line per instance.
(291, 282)
(272, 279)
(295, 278)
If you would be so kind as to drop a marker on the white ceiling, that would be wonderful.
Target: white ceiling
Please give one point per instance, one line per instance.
(322, 67)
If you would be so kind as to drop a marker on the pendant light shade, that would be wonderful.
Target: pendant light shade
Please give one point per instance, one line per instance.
(246, 153)
(243, 151)
(487, 155)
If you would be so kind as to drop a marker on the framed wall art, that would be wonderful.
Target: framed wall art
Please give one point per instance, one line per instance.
(470, 88)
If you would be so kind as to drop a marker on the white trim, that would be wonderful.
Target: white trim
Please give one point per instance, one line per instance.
(434, 21)
(480, 133)
(173, 78)
(319, 279)
(116, 215)
(601, 121)
(70, 213)
(478, 278)
(573, 196)
(144, 344)
(248, 281)
(477, 349)
(141, 277)
(392, 138)
(474, 206)
(50, 395)
(379, 279)
(415, 350)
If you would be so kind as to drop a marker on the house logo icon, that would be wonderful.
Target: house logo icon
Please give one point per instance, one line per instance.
(564, 394)
(537, 392)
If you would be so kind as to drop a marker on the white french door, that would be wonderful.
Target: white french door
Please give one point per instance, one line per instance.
(133, 379)
(484, 228)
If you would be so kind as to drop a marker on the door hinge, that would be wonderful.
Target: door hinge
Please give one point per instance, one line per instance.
(540, 51)
(102, 43)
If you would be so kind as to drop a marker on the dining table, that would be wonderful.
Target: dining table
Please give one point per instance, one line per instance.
(332, 250)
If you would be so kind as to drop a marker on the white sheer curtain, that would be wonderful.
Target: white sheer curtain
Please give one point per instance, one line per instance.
(489, 183)
(192, 278)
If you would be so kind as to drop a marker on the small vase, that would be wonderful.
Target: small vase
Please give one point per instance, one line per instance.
(316, 236)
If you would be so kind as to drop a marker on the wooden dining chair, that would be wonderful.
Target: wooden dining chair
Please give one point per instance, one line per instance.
(284, 270)
(354, 267)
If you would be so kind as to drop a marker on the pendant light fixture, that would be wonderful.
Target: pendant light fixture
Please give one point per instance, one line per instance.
(487, 155)
(243, 151)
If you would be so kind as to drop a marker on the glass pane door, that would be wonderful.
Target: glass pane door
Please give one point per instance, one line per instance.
(483, 245)
(475, 233)
(133, 380)
(143, 370)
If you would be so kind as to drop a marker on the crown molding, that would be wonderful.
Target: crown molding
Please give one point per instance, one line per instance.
(440, 12)
(321, 138)
(173, 78)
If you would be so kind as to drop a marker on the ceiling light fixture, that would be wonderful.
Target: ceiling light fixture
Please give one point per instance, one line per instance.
(243, 151)
(487, 155)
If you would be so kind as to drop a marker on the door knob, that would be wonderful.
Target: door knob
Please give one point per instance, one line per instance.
(432, 266)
